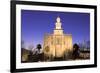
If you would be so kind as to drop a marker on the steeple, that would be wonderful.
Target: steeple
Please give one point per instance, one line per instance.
(58, 29)
(58, 23)
(58, 19)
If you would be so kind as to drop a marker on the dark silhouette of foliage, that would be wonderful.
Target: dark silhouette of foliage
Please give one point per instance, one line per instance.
(75, 51)
(39, 46)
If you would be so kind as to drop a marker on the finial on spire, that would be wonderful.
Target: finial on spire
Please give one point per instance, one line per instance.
(58, 19)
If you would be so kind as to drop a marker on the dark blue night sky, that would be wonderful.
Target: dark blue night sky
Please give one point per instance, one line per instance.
(34, 24)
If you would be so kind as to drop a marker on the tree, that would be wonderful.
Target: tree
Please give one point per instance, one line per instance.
(30, 52)
(39, 47)
(75, 51)
(75, 46)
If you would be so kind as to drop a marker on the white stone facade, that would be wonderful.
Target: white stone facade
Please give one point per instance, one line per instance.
(58, 43)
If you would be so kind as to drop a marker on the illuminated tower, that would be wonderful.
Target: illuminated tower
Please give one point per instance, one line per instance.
(58, 29)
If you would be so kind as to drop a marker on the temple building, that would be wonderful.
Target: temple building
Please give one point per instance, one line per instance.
(56, 44)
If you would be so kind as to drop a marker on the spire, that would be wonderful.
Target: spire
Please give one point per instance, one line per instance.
(58, 23)
(58, 30)
(58, 19)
